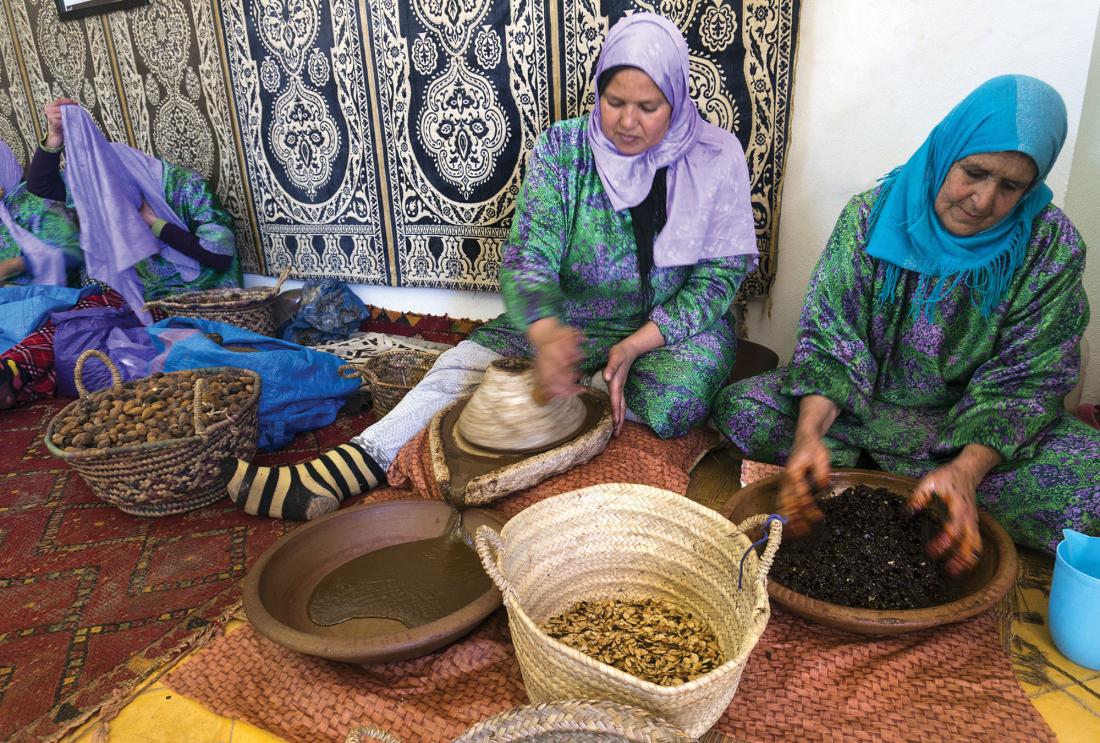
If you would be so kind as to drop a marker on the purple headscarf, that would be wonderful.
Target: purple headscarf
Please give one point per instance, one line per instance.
(108, 182)
(709, 209)
(45, 264)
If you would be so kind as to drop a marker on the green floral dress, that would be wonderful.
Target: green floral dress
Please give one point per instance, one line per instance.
(191, 197)
(570, 255)
(50, 221)
(914, 390)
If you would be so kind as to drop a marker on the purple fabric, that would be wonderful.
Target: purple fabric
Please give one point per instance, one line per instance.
(709, 209)
(46, 265)
(108, 184)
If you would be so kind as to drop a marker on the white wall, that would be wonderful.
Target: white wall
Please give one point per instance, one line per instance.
(872, 79)
(1083, 204)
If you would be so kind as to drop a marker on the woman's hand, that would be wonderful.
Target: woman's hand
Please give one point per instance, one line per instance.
(146, 213)
(619, 360)
(808, 466)
(557, 352)
(956, 484)
(55, 135)
(12, 267)
(807, 471)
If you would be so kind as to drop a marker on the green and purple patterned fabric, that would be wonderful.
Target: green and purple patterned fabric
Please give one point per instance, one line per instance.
(570, 255)
(913, 390)
(50, 221)
(195, 202)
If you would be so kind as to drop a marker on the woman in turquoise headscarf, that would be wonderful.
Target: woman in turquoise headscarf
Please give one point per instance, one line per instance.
(940, 334)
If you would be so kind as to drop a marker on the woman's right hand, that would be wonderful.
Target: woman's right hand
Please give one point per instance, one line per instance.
(55, 134)
(807, 471)
(557, 352)
(808, 466)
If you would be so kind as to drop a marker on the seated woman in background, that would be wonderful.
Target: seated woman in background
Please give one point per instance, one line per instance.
(634, 226)
(940, 334)
(175, 235)
(148, 229)
(39, 238)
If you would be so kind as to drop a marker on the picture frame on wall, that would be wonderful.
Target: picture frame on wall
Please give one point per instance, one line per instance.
(68, 10)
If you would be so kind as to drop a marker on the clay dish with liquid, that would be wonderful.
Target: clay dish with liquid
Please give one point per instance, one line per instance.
(278, 589)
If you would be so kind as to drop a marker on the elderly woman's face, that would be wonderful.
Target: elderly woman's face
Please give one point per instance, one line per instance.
(981, 189)
(634, 113)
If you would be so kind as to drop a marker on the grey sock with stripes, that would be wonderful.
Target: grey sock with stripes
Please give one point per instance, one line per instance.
(302, 491)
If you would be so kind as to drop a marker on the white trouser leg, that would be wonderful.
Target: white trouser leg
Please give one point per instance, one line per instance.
(455, 374)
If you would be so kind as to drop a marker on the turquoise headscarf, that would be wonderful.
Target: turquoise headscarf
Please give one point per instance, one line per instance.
(1008, 113)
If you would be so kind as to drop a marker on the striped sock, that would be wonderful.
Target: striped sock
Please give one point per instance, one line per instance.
(302, 491)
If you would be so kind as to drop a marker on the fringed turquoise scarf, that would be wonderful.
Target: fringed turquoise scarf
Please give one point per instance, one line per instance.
(1007, 113)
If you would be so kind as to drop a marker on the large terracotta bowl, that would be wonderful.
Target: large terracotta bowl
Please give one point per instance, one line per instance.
(278, 588)
(971, 594)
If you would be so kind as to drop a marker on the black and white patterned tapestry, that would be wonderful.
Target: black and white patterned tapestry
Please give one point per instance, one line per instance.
(382, 142)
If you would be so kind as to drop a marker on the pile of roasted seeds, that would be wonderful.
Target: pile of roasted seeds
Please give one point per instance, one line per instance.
(157, 408)
(867, 553)
(651, 639)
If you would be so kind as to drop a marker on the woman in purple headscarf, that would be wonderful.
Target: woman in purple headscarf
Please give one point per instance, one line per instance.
(632, 233)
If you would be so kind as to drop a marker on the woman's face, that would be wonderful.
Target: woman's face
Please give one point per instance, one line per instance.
(981, 189)
(634, 113)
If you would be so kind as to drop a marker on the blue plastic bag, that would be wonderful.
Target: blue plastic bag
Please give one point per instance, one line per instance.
(116, 331)
(328, 311)
(301, 389)
(24, 308)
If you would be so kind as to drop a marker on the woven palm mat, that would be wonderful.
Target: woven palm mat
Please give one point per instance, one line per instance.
(93, 600)
(803, 682)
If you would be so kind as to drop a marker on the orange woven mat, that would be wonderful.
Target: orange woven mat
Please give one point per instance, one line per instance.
(802, 682)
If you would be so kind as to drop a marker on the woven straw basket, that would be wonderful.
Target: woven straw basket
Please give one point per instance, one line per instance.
(252, 309)
(391, 374)
(161, 478)
(629, 542)
(575, 721)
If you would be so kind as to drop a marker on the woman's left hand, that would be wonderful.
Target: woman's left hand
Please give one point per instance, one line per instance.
(956, 484)
(619, 360)
(959, 542)
(147, 214)
(12, 267)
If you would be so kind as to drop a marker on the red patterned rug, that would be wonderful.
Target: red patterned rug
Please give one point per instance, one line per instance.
(95, 600)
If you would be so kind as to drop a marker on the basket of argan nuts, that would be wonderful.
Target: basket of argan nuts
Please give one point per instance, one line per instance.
(635, 595)
(152, 446)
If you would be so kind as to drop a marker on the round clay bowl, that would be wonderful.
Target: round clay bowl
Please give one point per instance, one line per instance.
(972, 593)
(278, 588)
(502, 414)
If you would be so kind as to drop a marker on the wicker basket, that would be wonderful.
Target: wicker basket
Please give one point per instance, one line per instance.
(251, 309)
(163, 477)
(629, 542)
(391, 374)
(576, 721)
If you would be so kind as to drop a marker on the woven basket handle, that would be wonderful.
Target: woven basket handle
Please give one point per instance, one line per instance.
(196, 406)
(775, 536)
(364, 734)
(489, 544)
(282, 278)
(78, 370)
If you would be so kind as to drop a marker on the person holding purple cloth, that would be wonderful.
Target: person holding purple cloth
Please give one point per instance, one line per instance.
(632, 233)
(39, 236)
(148, 228)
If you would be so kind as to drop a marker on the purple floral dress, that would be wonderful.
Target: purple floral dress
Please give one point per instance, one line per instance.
(914, 390)
(570, 255)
